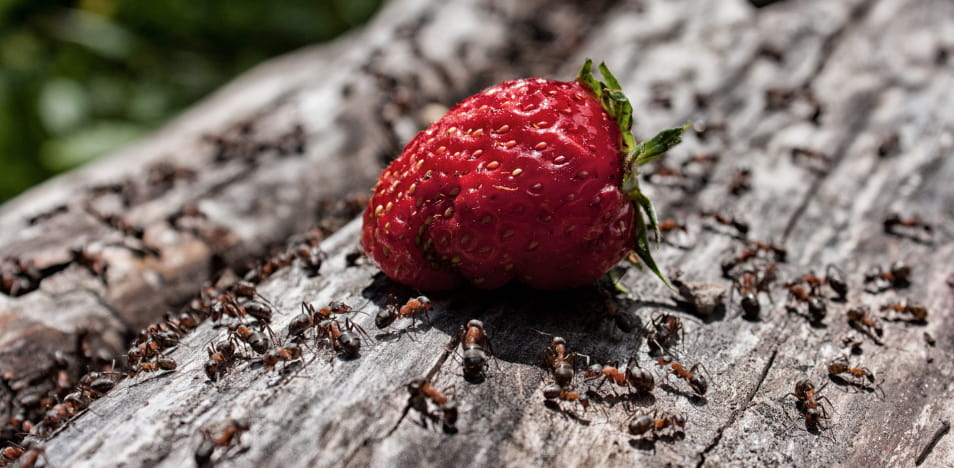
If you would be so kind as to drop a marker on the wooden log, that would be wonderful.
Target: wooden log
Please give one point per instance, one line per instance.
(807, 95)
(293, 145)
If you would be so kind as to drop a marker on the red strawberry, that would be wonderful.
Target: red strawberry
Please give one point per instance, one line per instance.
(533, 180)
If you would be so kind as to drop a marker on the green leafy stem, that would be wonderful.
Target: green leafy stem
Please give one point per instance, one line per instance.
(610, 95)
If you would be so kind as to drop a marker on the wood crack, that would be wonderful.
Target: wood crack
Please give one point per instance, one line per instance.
(735, 414)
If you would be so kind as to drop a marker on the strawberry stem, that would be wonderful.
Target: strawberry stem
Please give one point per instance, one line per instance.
(618, 106)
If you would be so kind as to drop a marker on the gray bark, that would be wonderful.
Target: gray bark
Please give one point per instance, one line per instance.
(835, 78)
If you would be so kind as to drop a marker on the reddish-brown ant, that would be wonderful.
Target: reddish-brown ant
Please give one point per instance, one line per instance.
(310, 317)
(817, 308)
(915, 312)
(669, 225)
(220, 356)
(913, 227)
(898, 275)
(475, 349)
(858, 374)
(731, 221)
(253, 339)
(311, 258)
(861, 320)
(634, 377)
(836, 281)
(421, 391)
(344, 339)
(562, 364)
(159, 364)
(751, 251)
(666, 331)
(285, 354)
(749, 284)
(740, 181)
(420, 305)
(695, 380)
(24, 457)
(661, 424)
(809, 403)
(554, 392)
(226, 437)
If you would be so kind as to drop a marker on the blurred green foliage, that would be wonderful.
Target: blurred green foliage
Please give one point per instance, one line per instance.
(81, 78)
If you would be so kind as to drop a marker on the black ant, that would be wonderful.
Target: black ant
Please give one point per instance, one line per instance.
(562, 364)
(667, 330)
(861, 320)
(657, 421)
(877, 279)
(740, 181)
(420, 305)
(695, 380)
(731, 221)
(634, 377)
(809, 403)
(475, 346)
(421, 391)
(917, 313)
(226, 437)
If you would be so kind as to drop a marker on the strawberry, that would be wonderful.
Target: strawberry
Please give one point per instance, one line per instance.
(531, 180)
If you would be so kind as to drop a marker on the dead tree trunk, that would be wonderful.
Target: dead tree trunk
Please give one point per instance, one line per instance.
(838, 110)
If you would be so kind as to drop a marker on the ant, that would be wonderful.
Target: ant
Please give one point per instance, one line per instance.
(894, 221)
(817, 308)
(220, 356)
(311, 258)
(160, 364)
(310, 316)
(877, 279)
(809, 403)
(286, 354)
(657, 422)
(344, 340)
(669, 225)
(667, 330)
(820, 161)
(226, 437)
(751, 251)
(749, 284)
(740, 181)
(858, 374)
(861, 320)
(421, 391)
(917, 312)
(634, 377)
(836, 281)
(554, 392)
(413, 307)
(562, 364)
(253, 339)
(696, 381)
(475, 346)
(731, 221)
(26, 457)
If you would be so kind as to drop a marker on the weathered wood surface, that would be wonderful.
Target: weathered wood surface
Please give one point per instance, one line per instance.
(291, 146)
(874, 68)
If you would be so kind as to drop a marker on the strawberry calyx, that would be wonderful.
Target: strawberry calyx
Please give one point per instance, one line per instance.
(616, 103)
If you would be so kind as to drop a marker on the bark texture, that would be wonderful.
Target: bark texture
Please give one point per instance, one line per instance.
(838, 110)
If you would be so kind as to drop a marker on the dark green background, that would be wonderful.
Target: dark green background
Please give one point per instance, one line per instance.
(81, 78)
